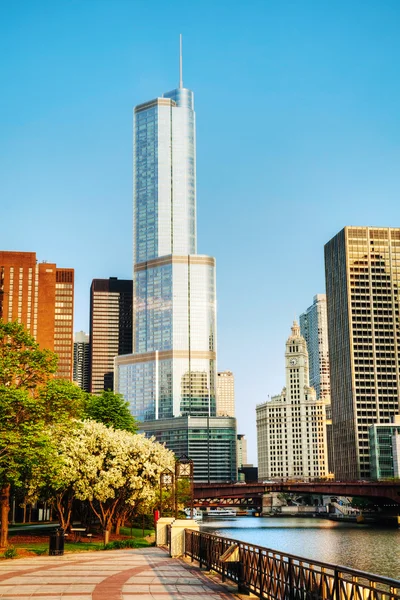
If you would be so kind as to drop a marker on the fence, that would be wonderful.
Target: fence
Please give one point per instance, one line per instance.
(274, 575)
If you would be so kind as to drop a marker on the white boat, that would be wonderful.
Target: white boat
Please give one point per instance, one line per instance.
(220, 513)
(197, 514)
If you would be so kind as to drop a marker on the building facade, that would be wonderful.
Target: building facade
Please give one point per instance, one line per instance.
(209, 442)
(41, 296)
(362, 268)
(81, 373)
(241, 452)
(384, 444)
(291, 427)
(314, 329)
(225, 394)
(110, 328)
(171, 372)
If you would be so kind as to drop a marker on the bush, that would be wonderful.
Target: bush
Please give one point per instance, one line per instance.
(11, 552)
(120, 544)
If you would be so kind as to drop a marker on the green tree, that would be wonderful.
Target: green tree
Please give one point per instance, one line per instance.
(111, 410)
(30, 401)
(22, 363)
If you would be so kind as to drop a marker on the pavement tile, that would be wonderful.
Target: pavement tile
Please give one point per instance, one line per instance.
(112, 575)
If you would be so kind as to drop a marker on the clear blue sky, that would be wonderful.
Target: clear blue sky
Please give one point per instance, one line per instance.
(298, 134)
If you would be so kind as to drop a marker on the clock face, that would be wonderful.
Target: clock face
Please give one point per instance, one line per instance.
(293, 361)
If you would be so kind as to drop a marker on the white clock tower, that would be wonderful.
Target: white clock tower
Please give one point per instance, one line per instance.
(291, 427)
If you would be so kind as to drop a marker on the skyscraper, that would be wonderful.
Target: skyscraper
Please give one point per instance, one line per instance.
(291, 432)
(172, 371)
(81, 374)
(110, 328)
(362, 268)
(314, 329)
(225, 394)
(41, 296)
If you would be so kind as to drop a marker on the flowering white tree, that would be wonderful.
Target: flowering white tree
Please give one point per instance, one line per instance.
(112, 469)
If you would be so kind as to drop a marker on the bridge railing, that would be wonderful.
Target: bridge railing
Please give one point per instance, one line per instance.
(274, 575)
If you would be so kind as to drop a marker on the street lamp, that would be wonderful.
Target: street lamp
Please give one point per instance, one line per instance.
(184, 470)
(166, 481)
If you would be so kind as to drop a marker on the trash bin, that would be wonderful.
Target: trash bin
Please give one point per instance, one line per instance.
(56, 542)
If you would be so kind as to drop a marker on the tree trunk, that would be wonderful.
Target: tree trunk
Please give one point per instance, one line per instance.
(4, 510)
(106, 533)
(118, 526)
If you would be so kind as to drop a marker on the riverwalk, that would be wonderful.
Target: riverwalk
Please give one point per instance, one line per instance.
(145, 574)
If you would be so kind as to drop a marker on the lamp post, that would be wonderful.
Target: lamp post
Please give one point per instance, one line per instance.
(166, 481)
(184, 470)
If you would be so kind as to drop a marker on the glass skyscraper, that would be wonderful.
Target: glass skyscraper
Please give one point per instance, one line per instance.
(172, 370)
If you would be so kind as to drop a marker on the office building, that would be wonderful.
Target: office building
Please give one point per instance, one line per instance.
(41, 296)
(362, 267)
(384, 444)
(172, 370)
(81, 373)
(241, 450)
(291, 428)
(209, 442)
(110, 328)
(314, 329)
(225, 394)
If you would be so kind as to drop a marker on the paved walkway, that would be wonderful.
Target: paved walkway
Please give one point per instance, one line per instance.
(144, 574)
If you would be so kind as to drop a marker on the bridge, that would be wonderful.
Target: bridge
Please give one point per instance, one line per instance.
(250, 494)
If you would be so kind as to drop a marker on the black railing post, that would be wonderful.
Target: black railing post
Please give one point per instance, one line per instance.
(242, 587)
(200, 551)
(260, 573)
(291, 579)
(337, 585)
(192, 547)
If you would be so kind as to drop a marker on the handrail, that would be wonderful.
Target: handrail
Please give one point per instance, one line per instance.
(275, 575)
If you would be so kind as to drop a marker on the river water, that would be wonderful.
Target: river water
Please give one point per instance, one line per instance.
(363, 547)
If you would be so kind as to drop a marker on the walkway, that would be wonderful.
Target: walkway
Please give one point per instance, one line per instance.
(145, 574)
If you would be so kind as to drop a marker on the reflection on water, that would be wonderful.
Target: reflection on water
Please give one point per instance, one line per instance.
(361, 547)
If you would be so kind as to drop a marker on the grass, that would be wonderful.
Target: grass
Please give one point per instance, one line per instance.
(39, 544)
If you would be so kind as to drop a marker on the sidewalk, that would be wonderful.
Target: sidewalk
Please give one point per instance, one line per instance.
(144, 574)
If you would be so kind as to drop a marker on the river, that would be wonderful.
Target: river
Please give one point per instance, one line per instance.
(362, 547)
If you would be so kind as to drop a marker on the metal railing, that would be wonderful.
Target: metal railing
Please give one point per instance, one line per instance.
(276, 575)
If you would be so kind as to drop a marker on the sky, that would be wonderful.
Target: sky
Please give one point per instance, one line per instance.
(298, 134)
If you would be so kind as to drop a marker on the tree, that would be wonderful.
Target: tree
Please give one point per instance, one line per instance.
(111, 410)
(113, 470)
(30, 401)
(22, 363)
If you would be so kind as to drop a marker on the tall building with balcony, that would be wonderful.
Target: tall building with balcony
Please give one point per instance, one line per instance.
(110, 329)
(225, 394)
(41, 296)
(171, 373)
(362, 268)
(291, 427)
(81, 373)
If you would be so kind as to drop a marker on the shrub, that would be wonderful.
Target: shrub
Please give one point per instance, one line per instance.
(11, 552)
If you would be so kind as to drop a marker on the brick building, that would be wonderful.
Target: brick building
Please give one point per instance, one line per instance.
(41, 296)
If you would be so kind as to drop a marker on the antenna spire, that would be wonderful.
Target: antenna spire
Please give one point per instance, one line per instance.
(180, 61)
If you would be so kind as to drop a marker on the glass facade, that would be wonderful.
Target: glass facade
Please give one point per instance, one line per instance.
(362, 266)
(384, 450)
(209, 442)
(171, 373)
(314, 329)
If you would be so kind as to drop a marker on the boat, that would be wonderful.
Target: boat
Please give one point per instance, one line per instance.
(197, 514)
(220, 513)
